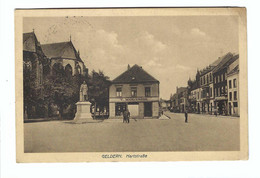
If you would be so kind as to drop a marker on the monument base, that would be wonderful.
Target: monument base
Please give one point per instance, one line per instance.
(83, 114)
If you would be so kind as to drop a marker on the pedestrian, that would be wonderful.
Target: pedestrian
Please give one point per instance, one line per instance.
(186, 116)
(128, 116)
(124, 116)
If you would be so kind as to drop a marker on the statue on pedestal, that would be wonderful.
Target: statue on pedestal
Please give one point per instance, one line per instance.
(83, 114)
(83, 92)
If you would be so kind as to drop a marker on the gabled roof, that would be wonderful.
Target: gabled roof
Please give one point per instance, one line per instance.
(225, 61)
(210, 67)
(61, 50)
(235, 70)
(135, 74)
(29, 42)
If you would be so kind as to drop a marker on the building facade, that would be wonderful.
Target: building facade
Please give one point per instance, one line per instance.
(233, 88)
(194, 92)
(135, 90)
(207, 95)
(220, 83)
(179, 100)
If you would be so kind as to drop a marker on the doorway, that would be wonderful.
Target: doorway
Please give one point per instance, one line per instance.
(148, 109)
(133, 109)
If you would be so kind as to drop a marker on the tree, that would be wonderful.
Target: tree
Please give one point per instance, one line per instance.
(98, 89)
(61, 90)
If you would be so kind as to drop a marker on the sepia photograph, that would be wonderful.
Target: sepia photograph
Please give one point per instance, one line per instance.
(148, 84)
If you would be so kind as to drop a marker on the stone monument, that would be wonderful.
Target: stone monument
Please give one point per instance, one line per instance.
(83, 114)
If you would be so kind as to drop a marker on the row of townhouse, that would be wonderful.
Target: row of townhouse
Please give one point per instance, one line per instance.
(215, 89)
(40, 60)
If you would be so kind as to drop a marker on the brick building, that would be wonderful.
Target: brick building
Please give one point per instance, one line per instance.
(136, 90)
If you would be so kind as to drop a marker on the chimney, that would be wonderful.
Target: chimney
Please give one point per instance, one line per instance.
(128, 67)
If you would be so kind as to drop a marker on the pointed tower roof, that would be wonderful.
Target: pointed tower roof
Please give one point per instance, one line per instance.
(30, 42)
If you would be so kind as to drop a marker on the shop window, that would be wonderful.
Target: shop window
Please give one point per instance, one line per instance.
(230, 96)
(119, 92)
(147, 91)
(235, 83)
(120, 108)
(230, 83)
(235, 95)
(133, 91)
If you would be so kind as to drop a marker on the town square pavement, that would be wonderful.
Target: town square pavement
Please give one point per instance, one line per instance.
(201, 133)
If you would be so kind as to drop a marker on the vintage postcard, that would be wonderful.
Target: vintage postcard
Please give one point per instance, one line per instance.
(134, 84)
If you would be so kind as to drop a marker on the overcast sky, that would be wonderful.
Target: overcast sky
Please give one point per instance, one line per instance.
(169, 48)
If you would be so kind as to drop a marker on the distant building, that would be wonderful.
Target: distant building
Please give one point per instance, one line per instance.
(220, 83)
(194, 92)
(64, 55)
(165, 104)
(136, 90)
(174, 103)
(180, 99)
(233, 88)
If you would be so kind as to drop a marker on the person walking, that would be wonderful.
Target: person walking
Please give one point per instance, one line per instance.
(128, 116)
(186, 116)
(124, 116)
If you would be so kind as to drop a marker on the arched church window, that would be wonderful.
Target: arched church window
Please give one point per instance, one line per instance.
(57, 69)
(68, 70)
(39, 73)
(78, 69)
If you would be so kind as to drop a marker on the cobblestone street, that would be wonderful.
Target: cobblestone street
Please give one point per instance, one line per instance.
(201, 133)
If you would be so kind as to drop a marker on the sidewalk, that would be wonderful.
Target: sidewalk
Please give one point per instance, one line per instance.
(204, 115)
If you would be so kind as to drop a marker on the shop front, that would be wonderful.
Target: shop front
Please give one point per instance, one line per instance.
(144, 108)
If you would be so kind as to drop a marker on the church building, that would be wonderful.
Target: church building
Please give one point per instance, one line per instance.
(64, 55)
(135, 90)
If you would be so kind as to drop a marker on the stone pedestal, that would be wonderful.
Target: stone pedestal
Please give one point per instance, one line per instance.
(83, 114)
